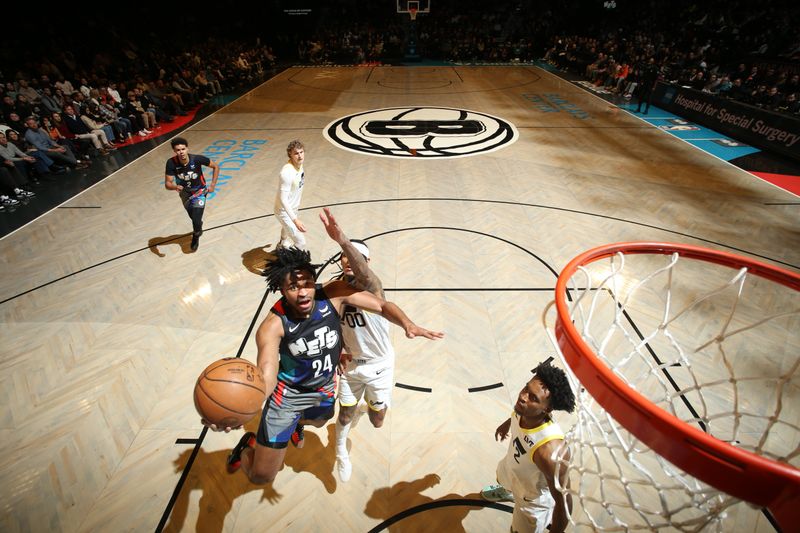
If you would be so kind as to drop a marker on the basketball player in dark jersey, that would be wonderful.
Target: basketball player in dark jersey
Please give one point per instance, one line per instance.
(299, 344)
(184, 173)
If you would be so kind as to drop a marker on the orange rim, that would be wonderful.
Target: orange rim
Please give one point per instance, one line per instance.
(737, 472)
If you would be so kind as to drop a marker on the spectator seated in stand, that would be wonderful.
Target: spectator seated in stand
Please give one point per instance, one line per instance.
(72, 127)
(138, 116)
(40, 139)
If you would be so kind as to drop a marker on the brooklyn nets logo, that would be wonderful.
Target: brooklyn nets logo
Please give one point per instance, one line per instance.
(421, 132)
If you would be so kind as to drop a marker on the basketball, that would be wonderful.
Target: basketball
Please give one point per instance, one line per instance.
(229, 392)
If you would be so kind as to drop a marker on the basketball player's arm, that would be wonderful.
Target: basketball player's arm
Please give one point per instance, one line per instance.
(214, 175)
(365, 278)
(501, 433)
(342, 292)
(543, 457)
(169, 183)
(268, 340)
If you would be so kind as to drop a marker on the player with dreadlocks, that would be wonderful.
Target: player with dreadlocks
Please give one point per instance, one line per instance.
(529, 467)
(299, 344)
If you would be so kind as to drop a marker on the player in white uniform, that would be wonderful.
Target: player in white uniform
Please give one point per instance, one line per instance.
(287, 199)
(368, 366)
(529, 467)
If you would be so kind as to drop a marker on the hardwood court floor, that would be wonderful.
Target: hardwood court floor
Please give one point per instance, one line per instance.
(104, 330)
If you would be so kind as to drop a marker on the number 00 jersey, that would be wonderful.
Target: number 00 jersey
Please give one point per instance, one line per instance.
(366, 335)
(310, 348)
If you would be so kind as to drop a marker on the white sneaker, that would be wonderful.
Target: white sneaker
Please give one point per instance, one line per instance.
(8, 201)
(142, 134)
(344, 468)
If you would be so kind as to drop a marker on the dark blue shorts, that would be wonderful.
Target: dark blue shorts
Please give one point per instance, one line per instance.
(286, 406)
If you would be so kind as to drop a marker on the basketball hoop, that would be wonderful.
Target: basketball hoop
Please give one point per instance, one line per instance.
(689, 364)
(412, 11)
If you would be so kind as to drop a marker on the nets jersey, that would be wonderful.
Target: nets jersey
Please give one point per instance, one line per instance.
(517, 471)
(366, 335)
(189, 175)
(310, 348)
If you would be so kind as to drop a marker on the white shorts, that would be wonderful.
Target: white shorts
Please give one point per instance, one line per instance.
(290, 235)
(533, 516)
(372, 380)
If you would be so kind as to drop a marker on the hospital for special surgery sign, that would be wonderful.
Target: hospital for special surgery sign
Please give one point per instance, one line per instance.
(765, 129)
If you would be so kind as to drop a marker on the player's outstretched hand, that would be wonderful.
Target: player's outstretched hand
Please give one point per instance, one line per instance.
(213, 427)
(331, 226)
(413, 331)
(502, 430)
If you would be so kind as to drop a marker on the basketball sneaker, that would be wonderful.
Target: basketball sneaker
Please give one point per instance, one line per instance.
(297, 436)
(195, 241)
(497, 493)
(248, 440)
(344, 467)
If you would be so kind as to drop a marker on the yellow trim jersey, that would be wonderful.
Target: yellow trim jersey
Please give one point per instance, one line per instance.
(516, 471)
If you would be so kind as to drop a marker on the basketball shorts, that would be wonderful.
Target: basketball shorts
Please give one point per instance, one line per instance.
(286, 406)
(533, 515)
(371, 380)
(190, 201)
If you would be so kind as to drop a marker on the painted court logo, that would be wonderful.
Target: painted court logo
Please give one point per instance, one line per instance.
(421, 132)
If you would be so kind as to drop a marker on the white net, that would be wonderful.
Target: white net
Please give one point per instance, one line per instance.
(717, 348)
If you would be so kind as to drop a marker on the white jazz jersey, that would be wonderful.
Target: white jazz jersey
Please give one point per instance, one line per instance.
(366, 336)
(290, 182)
(516, 471)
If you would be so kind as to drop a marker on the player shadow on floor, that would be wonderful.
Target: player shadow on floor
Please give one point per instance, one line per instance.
(219, 489)
(403, 507)
(183, 240)
(314, 457)
(255, 260)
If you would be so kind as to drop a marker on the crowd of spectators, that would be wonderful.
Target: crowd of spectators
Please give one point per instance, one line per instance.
(58, 113)
(730, 49)
(736, 49)
(71, 99)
